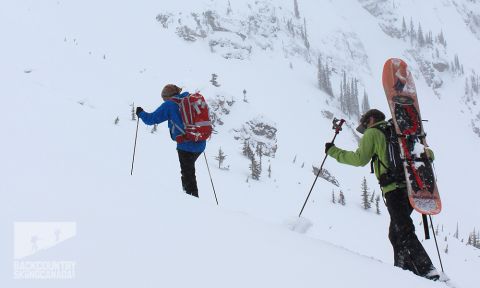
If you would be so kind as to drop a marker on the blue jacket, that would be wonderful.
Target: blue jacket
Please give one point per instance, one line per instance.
(169, 111)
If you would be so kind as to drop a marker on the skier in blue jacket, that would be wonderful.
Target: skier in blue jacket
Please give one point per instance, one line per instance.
(188, 151)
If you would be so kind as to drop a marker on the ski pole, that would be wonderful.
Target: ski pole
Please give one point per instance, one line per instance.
(135, 146)
(436, 244)
(337, 126)
(210, 174)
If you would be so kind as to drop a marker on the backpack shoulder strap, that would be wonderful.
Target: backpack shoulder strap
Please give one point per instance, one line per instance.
(383, 129)
(175, 99)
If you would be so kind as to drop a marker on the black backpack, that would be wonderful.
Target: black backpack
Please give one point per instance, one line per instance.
(395, 171)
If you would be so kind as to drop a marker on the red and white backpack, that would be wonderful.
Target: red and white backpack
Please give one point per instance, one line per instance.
(195, 117)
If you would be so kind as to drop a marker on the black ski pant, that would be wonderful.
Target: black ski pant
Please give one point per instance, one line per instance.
(187, 166)
(409, 253)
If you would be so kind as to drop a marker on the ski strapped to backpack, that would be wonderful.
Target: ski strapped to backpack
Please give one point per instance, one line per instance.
(395, 171)
(195, 116)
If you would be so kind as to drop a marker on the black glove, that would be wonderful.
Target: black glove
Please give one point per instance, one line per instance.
(328, 145)
(139, 110)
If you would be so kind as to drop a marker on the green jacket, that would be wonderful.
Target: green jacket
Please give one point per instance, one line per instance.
(373, 142)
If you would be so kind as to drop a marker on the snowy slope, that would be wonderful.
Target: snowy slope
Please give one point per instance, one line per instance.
(70, 68)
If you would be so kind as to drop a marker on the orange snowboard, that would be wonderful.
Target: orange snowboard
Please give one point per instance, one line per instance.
(402, 100)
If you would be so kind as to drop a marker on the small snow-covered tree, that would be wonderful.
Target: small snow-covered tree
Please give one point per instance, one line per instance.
(365, 195)
(117, 120)
(214, 80)
(456, 233)
(377, 204)
(220, 157)
(333, 197)
(134, 118)
(341, 198)
(245, 96)
(269, 170)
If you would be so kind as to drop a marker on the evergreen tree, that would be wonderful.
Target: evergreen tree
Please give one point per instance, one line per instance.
(134, 118)
(353, 107)
(456, 232)
(229, 8)
(247, 150)
(446, 249)
(341, 198)
(404, 27)
(295, 9)
(377, 204)
(344, 95)
(429, 38)
(365, 203)
(441, 39)
(420, 38)
(329, 83)
(220, 157)
(467, 87)
(333, 197)
(255, 168)
(259, 152)
(269, 170)
(323, 77)
(245, 95)
(372, 197)
(411, 32)
(456, 63)
(474, 238)
(342, 98)
(214, 80)
(117, 120)
(305, 35)
(365, 103)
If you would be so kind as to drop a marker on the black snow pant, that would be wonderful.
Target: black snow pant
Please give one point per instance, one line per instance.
(409, 253)
(187, 166)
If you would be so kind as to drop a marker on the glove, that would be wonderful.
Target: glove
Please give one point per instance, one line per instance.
(328, 145)
(139, 110)
(428, 154)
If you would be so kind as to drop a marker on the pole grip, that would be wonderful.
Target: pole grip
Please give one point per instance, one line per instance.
(425, 226)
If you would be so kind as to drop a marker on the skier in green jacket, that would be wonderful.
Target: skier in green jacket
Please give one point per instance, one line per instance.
(408, 252)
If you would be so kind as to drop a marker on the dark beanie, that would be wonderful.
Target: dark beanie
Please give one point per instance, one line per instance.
(377, 114)
(170, 90)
